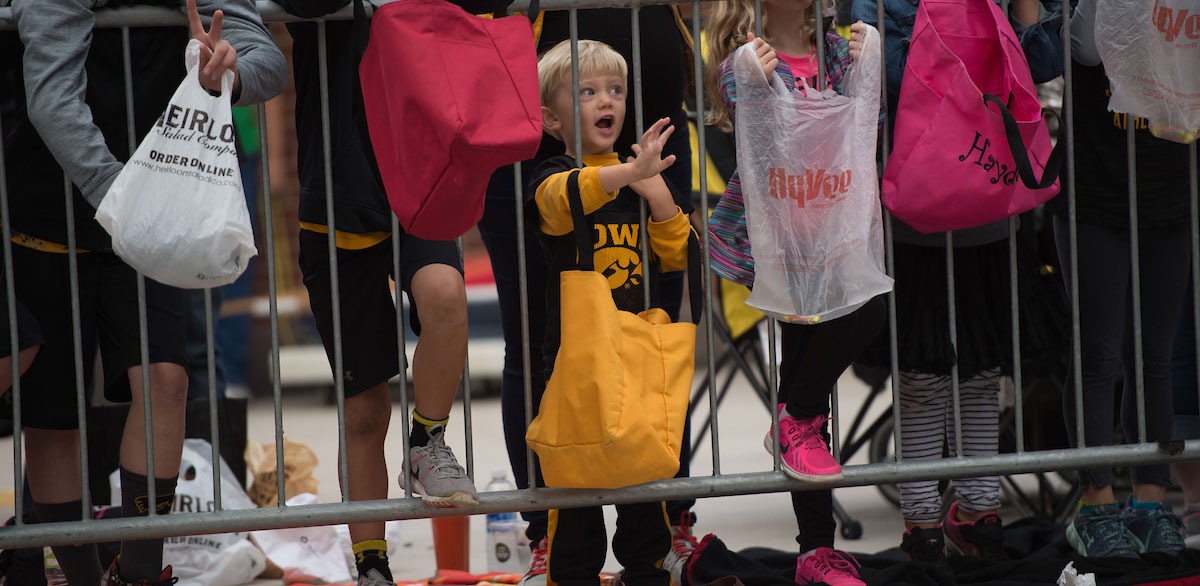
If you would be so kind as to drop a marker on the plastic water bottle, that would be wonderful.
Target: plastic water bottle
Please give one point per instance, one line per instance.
(54, 572)
(503, 547)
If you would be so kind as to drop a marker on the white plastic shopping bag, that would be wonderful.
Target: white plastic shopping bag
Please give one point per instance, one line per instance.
(1151, 54)
(312, 555)
(807, 166)
(223, 559)
(177, 211)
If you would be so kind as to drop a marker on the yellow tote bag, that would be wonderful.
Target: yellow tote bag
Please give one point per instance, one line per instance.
(613, 411)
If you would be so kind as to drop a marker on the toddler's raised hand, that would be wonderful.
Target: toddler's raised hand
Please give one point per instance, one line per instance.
(766, 54)
(857, 31)
(647, 161)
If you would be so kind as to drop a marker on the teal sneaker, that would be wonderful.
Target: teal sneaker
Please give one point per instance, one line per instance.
(1101, 533)
(1158, 529)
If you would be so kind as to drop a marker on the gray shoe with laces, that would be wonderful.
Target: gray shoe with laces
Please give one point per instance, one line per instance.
(1101, 533)
(1159, 529)
(374, 578)
(437, 477)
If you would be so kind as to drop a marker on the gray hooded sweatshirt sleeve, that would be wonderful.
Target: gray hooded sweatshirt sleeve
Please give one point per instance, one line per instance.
(57, 37)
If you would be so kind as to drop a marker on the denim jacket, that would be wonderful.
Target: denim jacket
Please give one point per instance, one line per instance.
(1041, 42)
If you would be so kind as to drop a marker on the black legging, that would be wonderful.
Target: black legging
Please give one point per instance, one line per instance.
(814, 357)
(1106, 334)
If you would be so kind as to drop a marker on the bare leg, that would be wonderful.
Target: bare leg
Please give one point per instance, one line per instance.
(441, 298)
(367, 417)
(168, 384)
(1188, 474)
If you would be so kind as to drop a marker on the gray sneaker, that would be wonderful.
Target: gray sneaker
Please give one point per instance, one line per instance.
(374, 578)
(437, 477)
(1158, 529)
(1102, 534)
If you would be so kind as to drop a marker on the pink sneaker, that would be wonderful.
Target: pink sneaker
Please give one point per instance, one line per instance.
(804, 452)
(828, 566)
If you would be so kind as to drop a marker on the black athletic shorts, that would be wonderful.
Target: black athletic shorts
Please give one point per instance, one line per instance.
(369, 349)
(29, 334)
(108, 311)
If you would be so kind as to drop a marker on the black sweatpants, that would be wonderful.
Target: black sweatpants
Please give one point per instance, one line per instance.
(814, 357)
(1106, 334)
(579, 545)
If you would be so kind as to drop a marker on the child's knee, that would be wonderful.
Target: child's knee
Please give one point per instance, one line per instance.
(441, 298)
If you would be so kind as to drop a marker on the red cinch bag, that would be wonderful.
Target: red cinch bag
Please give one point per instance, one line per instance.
(449, 98)
(970, 135)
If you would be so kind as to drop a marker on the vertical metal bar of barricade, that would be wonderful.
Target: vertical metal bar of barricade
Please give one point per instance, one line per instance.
(268, 213)
(573, 26)
(1073, 225)
(14, 344)
(213, 424)
(772, 365)
(1195, 218)
(339, 377)
(952, 318)
(639, 125)
(819, 7)
(143, 321)
(402, 357)
(77, 350)
(702, 147)
(1135, 275)
(1014, 295)
(464, 383)
(889, 245)
(523, 291)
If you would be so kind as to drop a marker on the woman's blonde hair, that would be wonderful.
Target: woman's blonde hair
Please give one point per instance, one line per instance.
(726, 29)
(595, 58)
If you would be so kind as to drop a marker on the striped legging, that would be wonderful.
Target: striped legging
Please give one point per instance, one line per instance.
(927, 423)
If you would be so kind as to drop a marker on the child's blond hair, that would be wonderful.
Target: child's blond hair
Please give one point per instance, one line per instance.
(725, 30)
(554, 66)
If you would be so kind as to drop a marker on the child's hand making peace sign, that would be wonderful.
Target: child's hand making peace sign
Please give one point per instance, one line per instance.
(217, 56)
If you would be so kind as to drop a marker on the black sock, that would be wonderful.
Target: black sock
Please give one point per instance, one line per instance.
(422, 427)
(371, 554)
(80, 563)
(142, 559)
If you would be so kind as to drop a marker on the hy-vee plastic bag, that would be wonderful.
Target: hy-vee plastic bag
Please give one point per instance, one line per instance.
(1151, 54)
(807, 166)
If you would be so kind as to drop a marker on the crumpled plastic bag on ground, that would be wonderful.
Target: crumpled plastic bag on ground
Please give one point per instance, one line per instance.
(1070, 577)
(299, 461)
(319, 554)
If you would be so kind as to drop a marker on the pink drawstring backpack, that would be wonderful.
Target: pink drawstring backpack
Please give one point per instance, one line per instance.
(970, 138)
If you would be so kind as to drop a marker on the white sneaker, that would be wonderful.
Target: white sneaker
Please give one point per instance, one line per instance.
(538, 566)
(683, 545)
(374, 578)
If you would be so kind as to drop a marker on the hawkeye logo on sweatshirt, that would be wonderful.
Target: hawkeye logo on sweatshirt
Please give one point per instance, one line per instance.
(617, 255)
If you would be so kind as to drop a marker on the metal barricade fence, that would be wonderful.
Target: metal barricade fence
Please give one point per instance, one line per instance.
(715, 485)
